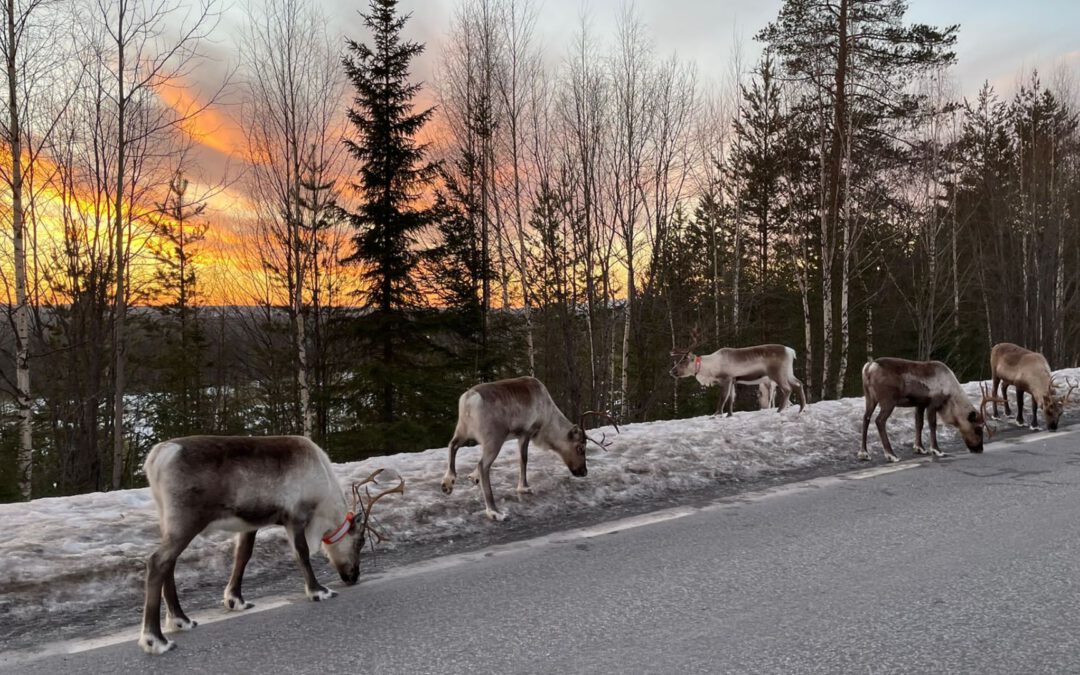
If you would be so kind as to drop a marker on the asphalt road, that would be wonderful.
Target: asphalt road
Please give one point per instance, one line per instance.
(967, 564)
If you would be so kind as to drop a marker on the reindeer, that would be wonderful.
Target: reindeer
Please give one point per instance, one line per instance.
(241, 484)
(490, 413)
(1029, 372)
(929, 387)
(746, 365)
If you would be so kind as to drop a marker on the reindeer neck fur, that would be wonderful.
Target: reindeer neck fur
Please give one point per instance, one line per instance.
(957, 406)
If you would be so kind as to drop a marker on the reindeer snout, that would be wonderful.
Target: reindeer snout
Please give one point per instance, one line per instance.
(580, 473)
(350, 577)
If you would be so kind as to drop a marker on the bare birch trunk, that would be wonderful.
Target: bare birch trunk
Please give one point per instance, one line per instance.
(120, 302)
(23, 401)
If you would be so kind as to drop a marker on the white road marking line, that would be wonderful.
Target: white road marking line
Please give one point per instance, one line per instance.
(882, 470)
(1045, 435)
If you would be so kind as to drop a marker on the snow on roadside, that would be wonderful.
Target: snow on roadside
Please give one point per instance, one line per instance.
(59, 552)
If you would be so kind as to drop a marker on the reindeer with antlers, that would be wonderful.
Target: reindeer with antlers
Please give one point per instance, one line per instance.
(932, 389)
(522, 408)
(1029, 372)
(242, 484)
(729, 366)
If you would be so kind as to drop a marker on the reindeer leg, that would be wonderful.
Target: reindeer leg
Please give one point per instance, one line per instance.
(159, 567)
(797, 385)
(298, 537)
(491, 451)
(995, 383)
(1005, 397)
(451, 469)
(175, 618)
(1035, 413)
(919, 413)
(523, 462)
(731, 398)
(785, 395)
(234, 599)
(722, 398)
(934, 450)
(1019, 406)
(870, 405)
(882, 418)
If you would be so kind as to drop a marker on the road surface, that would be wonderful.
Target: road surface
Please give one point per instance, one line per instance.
(967, 564)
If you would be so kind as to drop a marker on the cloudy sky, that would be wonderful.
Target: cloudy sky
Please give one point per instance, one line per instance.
(999, 41)
(998, 38)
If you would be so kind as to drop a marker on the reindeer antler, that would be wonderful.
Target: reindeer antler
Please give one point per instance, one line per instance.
(695, 340)
(1068, 392)
(987, 397)
(359, 484)
(603, 442)
(365, 514)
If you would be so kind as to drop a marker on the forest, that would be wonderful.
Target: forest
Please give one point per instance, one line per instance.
(572, 211)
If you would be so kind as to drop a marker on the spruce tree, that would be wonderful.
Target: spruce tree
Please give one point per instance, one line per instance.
(393, 175)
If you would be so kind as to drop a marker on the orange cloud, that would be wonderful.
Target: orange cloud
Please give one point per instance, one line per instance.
(202, 123)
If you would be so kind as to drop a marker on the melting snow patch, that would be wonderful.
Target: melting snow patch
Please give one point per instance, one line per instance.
(64, 552)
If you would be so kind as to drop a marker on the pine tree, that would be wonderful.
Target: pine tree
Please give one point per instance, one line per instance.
(393, 175)
(178, 232)
(757, 165)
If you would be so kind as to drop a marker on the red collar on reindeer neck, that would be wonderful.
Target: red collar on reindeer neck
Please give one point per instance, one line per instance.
(697, 365)
(343, 529)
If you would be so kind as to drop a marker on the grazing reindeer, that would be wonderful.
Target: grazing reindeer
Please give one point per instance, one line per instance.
(490, 413)
(241, 484)
(1029, 372)
(746, 365)
(929, 387)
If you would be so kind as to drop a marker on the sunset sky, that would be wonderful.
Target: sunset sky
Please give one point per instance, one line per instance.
(999, 41)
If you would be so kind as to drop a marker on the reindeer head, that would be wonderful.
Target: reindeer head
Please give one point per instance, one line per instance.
(343, 548)
(1054, 405)
(685, 359)
(573, 450)
(973, 425)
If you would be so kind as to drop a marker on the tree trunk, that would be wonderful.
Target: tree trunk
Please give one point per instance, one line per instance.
(120, 302)
(23, 401)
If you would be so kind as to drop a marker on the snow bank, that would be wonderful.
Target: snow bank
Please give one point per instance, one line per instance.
(64, 551)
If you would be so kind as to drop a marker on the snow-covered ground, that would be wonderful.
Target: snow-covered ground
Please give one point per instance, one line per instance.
(64, 553)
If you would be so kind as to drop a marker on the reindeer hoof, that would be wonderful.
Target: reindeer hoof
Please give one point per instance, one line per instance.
(1035, 427)
(891, 458)
(863, 456)
(1020, 423)
(447, 485)
(319, 594)
(180, 623)
(495, 515)
(474, 477)
(524, 490)
(920, 450)
(937, 453)
(236, 604)
(154, 645)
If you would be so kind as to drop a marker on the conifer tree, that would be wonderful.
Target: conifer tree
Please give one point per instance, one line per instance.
(392, 177)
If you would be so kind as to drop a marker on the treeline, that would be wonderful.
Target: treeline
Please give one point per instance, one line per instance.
(570, 215)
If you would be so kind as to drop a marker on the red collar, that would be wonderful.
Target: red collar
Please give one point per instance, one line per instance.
(343, 529)
(697, 365)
